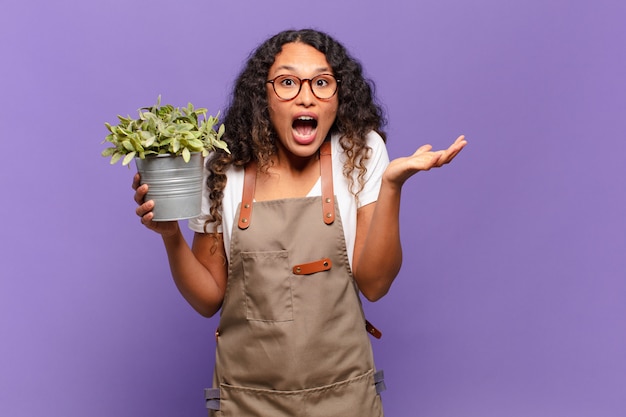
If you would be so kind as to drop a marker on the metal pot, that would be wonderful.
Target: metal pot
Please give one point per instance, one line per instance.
(173, 184)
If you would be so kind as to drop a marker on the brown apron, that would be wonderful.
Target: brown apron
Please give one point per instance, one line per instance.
(291, 339)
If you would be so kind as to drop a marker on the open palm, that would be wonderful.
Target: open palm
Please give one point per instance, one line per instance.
(424, 158)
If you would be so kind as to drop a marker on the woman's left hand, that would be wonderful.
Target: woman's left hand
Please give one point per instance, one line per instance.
(401, 169)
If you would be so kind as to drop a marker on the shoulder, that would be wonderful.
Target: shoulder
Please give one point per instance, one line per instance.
(234, 182)
(375, 163)
(378, 149)
(376, 159)
(231, 197)
(373, 140)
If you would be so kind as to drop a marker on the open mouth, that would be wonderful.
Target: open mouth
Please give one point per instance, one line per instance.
(304, 125)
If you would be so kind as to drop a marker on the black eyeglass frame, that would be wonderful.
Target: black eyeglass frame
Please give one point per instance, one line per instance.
(302, 80)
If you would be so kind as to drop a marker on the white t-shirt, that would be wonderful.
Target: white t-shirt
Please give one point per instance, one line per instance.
(376, 165)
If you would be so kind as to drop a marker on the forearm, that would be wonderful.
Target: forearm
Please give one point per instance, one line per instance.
(193, 279)
(378, 252)
(380, 255)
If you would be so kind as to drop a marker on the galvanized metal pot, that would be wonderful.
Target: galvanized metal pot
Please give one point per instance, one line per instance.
(173, 184)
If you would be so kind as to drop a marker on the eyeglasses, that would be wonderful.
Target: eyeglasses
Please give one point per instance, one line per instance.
(287, 87)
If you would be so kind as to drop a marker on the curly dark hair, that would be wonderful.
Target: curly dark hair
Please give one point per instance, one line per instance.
(250, 134)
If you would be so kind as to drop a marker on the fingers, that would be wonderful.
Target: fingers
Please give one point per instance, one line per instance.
(146, 219)
(437, 160)
(136, 181)
(449, 154)
(456, 147)
(144, 209)
(424, 161)
(146, 215)
(452, 150)
(140, 193)
(140, 189)
(422, 149)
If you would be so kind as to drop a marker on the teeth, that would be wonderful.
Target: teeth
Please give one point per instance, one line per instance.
(305, 118)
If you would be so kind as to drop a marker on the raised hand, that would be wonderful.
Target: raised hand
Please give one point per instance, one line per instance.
(424, 158)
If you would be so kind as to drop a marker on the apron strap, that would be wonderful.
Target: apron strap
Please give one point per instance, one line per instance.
(212, 395)
(369, 327)
(249, 184)
(326, 174)
(328, 192)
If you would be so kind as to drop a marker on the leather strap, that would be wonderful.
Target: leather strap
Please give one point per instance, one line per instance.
(373, 330)
(312, 267)
(249, 184)
(328, 193)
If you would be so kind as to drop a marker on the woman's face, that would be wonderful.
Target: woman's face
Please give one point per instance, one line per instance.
(301, 123)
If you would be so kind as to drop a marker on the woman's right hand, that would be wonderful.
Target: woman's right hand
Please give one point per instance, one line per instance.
(144, 211)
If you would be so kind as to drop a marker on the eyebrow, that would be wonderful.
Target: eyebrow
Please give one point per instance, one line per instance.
(291, 68)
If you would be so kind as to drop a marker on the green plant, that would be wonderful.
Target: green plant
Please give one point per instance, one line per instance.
(164, 130)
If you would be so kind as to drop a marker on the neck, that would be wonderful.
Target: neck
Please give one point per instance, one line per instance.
(296, 165)
(287, 177)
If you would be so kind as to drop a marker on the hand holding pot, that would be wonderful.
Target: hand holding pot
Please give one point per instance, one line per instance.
(144, 211)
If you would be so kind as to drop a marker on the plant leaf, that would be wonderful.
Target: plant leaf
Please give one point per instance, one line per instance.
(160, 129)
(128, 158)
(196, 144)
(221, 145)
(116, 157)
(149, 142)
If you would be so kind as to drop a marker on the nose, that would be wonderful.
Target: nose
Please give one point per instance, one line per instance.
(306, 95)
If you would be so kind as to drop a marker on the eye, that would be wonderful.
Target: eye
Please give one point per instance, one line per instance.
(287, 81)
(323, 81)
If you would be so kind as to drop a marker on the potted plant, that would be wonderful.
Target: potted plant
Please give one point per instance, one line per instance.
(168, 145)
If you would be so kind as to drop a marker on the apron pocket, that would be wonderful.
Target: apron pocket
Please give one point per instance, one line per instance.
(267, 285)
(355, 397)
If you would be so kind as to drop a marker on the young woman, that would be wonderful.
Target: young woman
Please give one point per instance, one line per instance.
(299, 218)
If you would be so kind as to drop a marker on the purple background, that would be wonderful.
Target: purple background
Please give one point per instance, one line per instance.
(512, 297)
